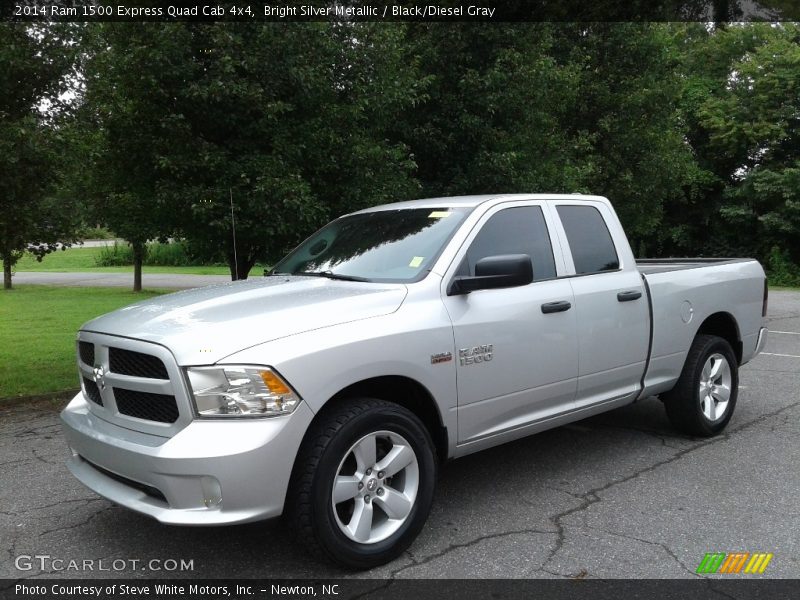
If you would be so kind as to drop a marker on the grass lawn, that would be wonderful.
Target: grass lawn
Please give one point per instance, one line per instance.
(37, 334)
(83, 260)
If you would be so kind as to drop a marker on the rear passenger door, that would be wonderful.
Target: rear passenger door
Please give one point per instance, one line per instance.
(516, 364)
(610, 303)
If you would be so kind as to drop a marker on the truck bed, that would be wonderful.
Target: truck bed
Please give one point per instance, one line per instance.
(685, 291)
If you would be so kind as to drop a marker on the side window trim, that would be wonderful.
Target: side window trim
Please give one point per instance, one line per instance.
(564, 264)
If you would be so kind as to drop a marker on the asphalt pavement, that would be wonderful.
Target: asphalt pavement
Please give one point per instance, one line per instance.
(620, 495)
(170, 281)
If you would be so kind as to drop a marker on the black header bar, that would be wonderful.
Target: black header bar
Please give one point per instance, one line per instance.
(439, 589)
(401, 10)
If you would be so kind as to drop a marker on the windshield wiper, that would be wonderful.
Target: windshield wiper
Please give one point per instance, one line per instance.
(331, 275)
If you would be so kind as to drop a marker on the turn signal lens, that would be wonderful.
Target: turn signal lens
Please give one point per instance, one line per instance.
(275, 383)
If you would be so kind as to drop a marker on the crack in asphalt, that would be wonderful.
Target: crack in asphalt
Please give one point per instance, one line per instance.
(661, 545)
(81, 523)
(34, 431)
(558, 489)
(452, 547)
(659, 435)
(12, 549)
(44, 460)
(34, 509)
(591, 497)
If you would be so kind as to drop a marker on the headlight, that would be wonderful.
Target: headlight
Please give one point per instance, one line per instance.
(240, 391)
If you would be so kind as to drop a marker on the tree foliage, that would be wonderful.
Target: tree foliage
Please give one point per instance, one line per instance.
(34, 63)
(496, 100)
(754, 126)
(271, 127)
(185, 129)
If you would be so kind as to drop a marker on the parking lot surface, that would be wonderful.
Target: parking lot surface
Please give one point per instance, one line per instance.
(620, 495)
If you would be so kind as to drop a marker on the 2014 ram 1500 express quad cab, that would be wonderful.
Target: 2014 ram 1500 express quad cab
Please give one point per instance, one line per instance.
(392, 339)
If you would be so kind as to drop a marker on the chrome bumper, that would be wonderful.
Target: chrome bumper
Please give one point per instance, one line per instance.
(211, 472)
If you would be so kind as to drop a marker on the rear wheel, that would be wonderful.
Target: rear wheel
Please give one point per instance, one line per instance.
(703, 400)
(363, 483)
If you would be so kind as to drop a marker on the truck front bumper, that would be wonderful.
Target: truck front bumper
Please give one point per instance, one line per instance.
(211, 472)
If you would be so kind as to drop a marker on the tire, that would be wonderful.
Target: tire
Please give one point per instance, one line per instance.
(695, 407)
(337, 452)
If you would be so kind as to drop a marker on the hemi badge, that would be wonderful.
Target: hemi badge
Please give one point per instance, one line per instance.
(441, 357)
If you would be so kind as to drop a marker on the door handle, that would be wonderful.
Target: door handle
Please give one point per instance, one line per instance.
(628, 296)
(554, 307)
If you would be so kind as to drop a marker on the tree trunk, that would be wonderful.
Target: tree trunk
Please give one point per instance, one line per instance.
(6, 272)
(138, 257)
(245, 264)
(721, 13)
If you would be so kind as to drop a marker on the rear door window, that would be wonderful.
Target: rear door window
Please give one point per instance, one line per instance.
(589, 240)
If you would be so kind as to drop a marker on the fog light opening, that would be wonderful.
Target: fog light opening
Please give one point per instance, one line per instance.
(212, 492)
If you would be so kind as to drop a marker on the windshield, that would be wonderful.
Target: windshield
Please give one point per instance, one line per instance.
(388, 245)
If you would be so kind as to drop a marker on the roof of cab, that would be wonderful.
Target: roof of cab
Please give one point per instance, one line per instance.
(473, 201)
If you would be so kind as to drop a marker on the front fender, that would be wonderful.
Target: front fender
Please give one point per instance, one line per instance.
(321, 363)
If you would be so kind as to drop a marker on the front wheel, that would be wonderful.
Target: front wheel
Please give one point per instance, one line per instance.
(703, 400)
(363, 483)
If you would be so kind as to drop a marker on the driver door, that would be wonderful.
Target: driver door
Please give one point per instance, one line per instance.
(516, 364)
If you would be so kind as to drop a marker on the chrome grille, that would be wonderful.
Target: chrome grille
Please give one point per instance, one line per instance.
(150, 407)
(136, 364)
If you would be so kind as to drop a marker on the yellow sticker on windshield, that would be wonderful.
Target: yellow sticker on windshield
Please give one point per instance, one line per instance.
(439, 214)
(416, 261)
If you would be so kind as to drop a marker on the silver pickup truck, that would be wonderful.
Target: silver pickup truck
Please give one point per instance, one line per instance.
(391, 340)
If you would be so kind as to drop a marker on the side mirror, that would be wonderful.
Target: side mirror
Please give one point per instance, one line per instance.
(509, 270)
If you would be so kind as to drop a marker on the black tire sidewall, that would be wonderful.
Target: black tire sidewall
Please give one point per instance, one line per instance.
(338, 546)
(715, 346)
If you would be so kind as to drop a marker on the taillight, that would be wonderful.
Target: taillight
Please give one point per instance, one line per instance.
(766, 297)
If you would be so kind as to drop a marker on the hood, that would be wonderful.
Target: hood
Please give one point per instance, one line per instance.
(204, 325)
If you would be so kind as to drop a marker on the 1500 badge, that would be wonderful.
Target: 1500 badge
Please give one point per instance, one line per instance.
(478, 354)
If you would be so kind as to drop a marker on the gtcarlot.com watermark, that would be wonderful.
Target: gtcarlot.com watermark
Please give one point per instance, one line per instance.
(52, 564)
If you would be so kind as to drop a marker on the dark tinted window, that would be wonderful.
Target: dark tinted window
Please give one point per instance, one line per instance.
(591, 244)
(520, 230)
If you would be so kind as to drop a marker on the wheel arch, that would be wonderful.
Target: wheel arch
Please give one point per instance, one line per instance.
(724, 325)
(405, 391)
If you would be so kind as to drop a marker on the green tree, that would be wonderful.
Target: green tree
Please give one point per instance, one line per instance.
(754, 125)
(34, 64)
(296, 137)
(628, 110)
(131, 79)
(492, 117)
(554, 108)
(272, 127)
(692, 223)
